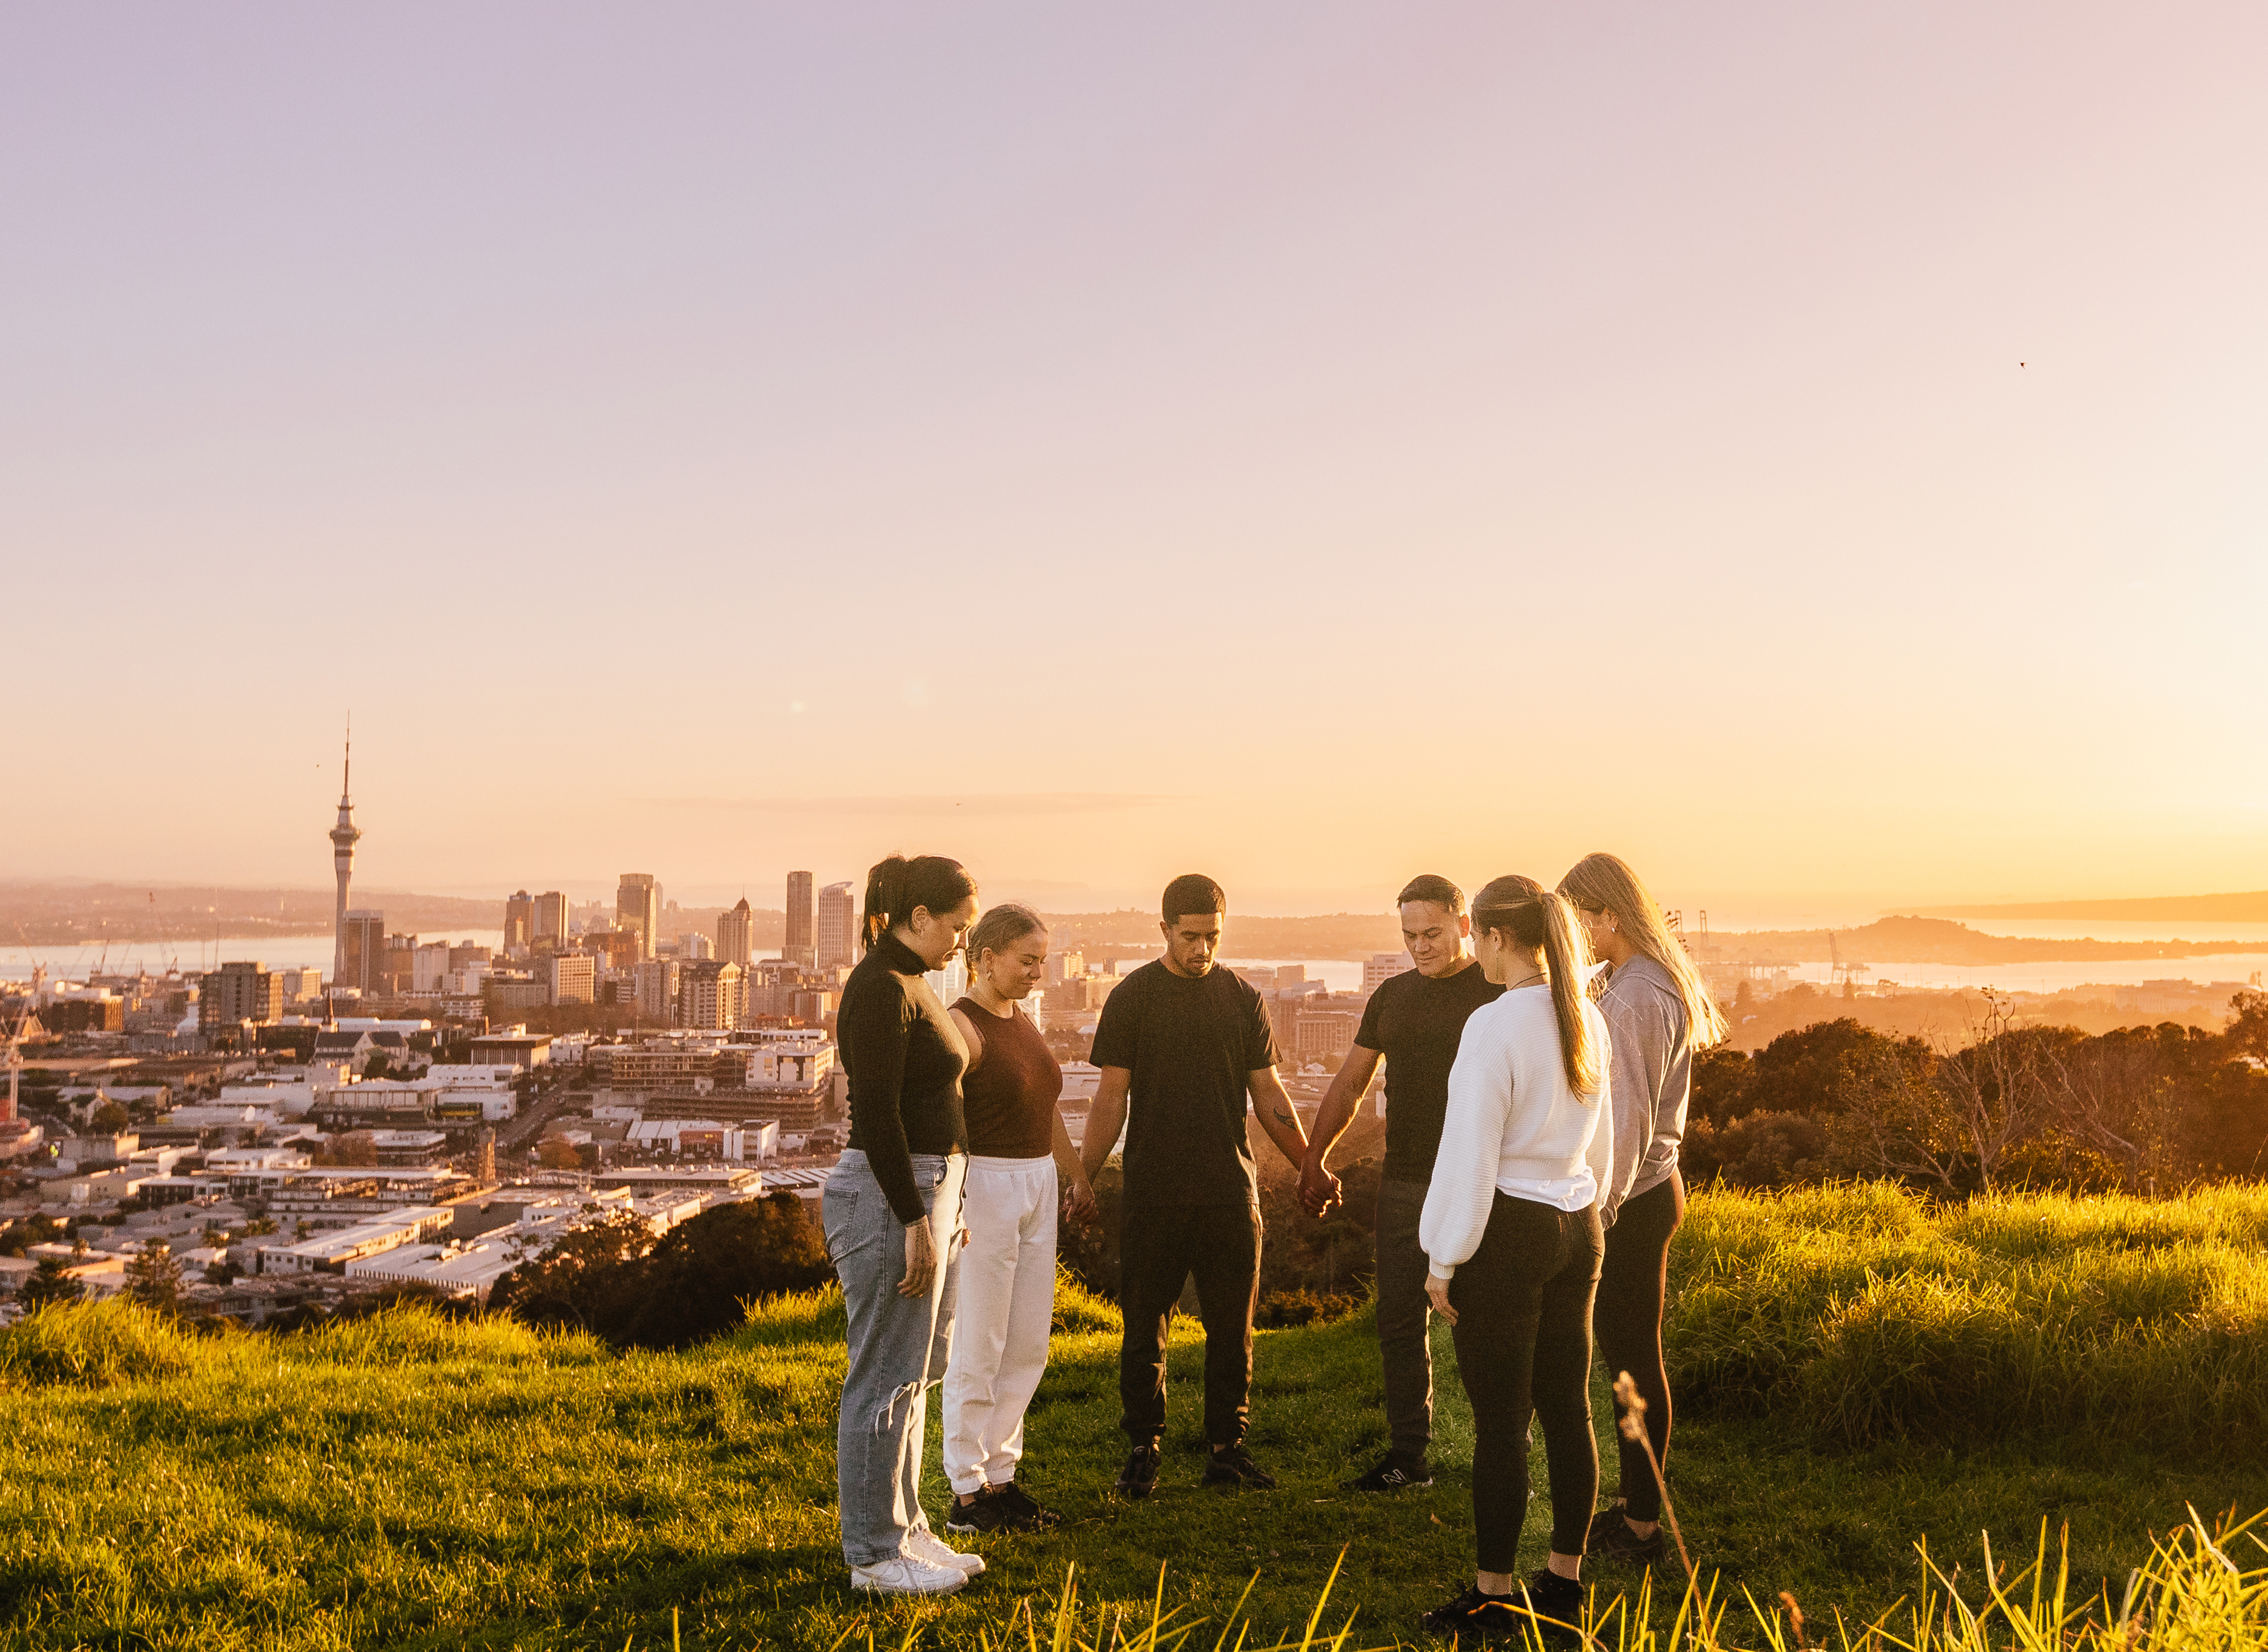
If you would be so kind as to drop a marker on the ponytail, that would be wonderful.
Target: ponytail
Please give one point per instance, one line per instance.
(896, 886)
(1540, 920)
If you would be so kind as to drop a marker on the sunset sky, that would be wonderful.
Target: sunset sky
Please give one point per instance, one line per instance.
(1819, 452)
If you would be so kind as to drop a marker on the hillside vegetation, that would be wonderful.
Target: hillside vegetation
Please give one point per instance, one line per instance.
(1857, 1374)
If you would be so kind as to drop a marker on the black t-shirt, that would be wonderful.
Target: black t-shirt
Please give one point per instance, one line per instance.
(1190, 1044)
(1415, 1021)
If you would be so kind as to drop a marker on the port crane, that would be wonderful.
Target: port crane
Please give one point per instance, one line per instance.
(1843, 974)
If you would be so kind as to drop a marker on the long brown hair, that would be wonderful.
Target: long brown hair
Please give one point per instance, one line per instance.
(1605, 883)
(896, 886)
(1533, 917)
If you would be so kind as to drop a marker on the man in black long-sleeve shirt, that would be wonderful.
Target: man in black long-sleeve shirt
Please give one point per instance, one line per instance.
(1182, 1043)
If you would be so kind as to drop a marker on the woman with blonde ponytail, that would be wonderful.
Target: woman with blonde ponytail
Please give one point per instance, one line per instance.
(1659, 1012)
(1512, 1238)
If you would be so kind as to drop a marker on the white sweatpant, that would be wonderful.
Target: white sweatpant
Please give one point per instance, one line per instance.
(1007, 1297)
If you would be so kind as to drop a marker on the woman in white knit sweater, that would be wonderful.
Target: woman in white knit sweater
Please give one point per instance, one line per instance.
(1511, 1230)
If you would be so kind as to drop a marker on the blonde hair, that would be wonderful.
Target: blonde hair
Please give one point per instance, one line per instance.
(1536, 917)
(1605, 883)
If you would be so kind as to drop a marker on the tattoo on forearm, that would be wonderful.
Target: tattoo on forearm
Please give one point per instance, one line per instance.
(1282, 1116)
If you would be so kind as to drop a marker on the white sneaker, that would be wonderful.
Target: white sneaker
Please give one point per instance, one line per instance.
(924, 1544)
(905, 1575)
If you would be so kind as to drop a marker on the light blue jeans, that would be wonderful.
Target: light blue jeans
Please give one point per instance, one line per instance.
(899, 1347)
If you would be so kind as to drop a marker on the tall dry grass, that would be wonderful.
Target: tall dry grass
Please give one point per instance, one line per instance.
(2191, 1595)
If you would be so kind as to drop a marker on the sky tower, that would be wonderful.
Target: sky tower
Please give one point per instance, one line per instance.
(344, 837)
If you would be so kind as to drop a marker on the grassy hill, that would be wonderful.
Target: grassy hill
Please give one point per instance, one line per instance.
(1863, 1372)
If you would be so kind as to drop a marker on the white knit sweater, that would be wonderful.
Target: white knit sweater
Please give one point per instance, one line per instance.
(1514, 1125)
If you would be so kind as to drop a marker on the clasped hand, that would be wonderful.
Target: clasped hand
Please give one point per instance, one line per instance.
(1319, 1189)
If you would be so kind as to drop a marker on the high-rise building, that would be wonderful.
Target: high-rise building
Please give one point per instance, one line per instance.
(550, 917)
(571, 977)
(802, 922)
(400, 967)
(838, 927)
(430, 967)
(658, 980)
(638, 906)
(344, 836)
(365, 951)
(1381, 967)
(693, 945)
(950, 981)
(238, 992)
(736, 935)
(709, 996)
(518, 920)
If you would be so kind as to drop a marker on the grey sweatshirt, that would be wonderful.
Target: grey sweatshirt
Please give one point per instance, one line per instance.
(1652, 1078)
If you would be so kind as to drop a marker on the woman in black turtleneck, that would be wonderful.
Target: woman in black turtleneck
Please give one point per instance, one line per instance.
(893, 1216)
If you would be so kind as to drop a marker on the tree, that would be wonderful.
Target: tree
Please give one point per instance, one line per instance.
(153, 1277)
(109, 1118)
(701, 1279)
(570, 1281)
(1758, 1150)
(378, 1066)
(356, 1148)
(51, 1281)
(2248, 1026)
(557, 1153)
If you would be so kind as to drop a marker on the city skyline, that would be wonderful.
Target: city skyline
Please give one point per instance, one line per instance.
(1846, 420)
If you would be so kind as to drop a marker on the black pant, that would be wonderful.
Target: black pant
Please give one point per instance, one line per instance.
(1523, 1339)
(1158, 1248)
(1403, 1315)
(1627, 1321)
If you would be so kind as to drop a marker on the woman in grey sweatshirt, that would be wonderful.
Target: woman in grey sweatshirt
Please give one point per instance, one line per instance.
(1658, 1011)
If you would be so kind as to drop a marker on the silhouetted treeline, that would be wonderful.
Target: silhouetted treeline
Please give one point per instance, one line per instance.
(2139, 1110)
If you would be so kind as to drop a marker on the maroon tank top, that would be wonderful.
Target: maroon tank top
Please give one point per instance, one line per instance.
(1009, 1096)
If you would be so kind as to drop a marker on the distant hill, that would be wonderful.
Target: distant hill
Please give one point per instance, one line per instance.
(1914, 939)
(2251, 907)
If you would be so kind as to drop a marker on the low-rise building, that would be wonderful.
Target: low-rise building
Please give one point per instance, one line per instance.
(516, 1047)
(330, 1253)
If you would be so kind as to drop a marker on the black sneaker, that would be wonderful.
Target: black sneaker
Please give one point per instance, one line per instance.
(1024, 1515)
(1394, 1472)
(1558, 1604)
(981, 1516)
(1473, 1615)
(1611, 1538)
(1232, 1465)
(1139, 1477)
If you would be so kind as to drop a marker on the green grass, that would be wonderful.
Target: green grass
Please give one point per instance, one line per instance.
(407, 1482)
(1862, 1314)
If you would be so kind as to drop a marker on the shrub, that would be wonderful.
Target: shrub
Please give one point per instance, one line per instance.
(613, 1280)
(1281, 1307)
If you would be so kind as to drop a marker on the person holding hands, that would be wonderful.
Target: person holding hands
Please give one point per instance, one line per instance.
(1021, 1166)
(1182, 1043)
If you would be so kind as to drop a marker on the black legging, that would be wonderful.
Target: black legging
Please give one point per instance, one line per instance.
(1627, 1321)
(1523, 1339)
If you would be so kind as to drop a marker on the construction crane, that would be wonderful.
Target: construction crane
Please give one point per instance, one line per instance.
(1842, 974)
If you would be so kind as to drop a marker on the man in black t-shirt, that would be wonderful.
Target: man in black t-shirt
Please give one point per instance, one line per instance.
(1414, 1022)
(1182, 1043)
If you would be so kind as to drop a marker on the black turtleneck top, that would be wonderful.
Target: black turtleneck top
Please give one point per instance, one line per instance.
(904, 1059)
